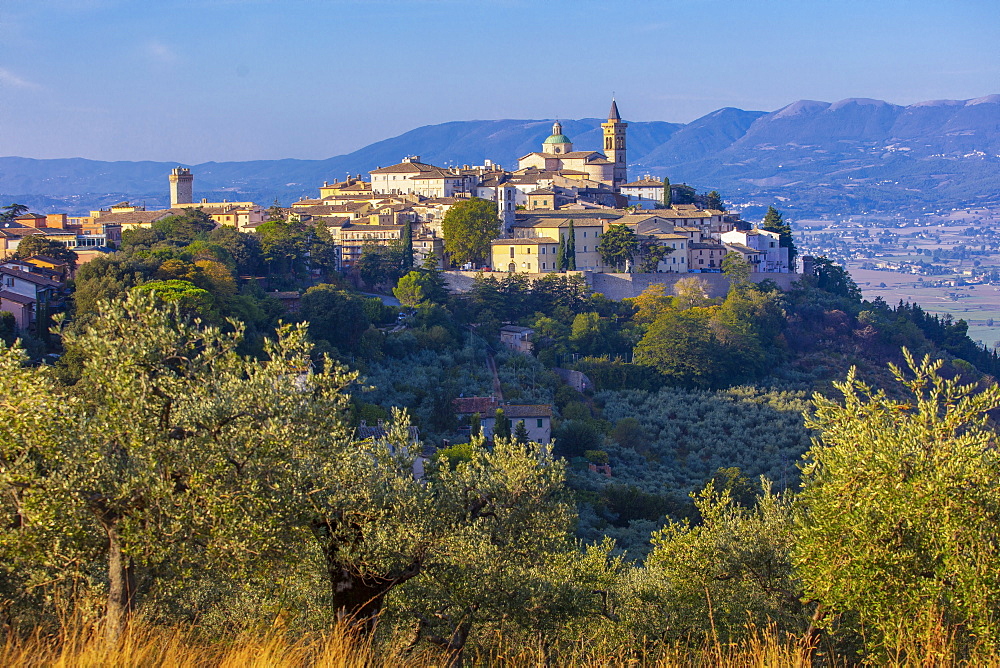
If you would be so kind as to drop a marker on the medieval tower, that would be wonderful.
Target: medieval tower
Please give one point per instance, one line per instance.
(614, 145)
(181, 186)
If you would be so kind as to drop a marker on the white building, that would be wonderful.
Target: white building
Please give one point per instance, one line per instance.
(412, 177)
(647, 192)
(774, 257)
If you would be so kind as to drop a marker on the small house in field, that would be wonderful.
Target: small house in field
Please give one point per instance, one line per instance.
(517, 338)
(537, 418)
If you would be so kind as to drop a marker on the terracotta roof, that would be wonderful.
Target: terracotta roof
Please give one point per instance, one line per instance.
(644, 183)
(366, 431)
(563, 221)
(49, 260)
(572, 155)
(469, 405)
(405, 167)
(21, 231)
(16, 298)
(743, 248)
(30, 277)
(439, 174)
(516, 329)
(521, 241)
(538, 410)
(327, 209)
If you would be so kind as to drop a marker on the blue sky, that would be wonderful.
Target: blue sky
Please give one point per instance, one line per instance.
(192, 81)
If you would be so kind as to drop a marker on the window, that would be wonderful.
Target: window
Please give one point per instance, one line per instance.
(543, 265)
(585, 234)
(543, 250)
(539, 423)
(512, 251)
(584, 249)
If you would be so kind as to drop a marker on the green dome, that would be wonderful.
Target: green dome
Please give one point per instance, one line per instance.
(557, 137)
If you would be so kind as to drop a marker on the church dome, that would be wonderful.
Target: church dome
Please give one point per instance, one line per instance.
(557, 137)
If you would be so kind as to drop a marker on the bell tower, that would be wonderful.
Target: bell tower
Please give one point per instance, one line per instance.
(614, 145)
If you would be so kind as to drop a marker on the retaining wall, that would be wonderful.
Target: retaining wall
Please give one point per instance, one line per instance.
(623, 286)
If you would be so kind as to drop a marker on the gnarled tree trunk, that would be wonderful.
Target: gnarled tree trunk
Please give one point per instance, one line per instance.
(121, 587)
(358, 597)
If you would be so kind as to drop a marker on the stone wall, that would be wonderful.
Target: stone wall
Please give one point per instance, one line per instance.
(623, 286)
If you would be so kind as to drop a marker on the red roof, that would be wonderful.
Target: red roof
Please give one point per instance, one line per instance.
(481, 405)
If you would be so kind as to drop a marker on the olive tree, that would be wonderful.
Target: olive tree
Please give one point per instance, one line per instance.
(900, 507)
(176, 450)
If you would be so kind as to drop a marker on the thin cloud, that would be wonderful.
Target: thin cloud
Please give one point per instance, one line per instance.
(161, 52)
(10, 80)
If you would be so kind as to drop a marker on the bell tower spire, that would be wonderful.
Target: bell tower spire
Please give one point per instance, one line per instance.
(614, 145)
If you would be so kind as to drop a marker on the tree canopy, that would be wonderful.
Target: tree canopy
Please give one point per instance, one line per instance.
(901, 506)
(468, 229)
(36, 244)
(618, 246)
(775, 222)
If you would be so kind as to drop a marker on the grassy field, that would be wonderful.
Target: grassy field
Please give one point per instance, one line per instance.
(976, 304)
(886, 240)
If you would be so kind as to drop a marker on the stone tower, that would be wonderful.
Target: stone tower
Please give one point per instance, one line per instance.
(614, 145)
(181, 186)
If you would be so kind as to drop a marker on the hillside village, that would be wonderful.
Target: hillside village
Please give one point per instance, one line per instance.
(557, 195)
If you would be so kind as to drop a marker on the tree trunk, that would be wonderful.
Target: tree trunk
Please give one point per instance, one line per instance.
(357, 600)
(121, 587)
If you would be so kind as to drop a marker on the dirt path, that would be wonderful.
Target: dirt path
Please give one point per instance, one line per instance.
(492, 366)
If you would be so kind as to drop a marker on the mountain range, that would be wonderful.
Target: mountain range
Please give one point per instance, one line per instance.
(810, 158)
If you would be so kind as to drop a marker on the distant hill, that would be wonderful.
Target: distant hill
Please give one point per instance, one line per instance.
(812, 157)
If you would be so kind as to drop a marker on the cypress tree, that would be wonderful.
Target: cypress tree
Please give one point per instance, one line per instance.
(407, 247)
(501, 425)
(667, 195)
(521, 433)
(571, 247)
(775, 222)
(561, 254)
(475, 425)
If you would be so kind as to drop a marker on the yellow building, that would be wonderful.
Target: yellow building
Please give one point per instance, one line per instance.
(351, 187)
(525, 256)
(353, 238)
(677, 260)
(587, 229)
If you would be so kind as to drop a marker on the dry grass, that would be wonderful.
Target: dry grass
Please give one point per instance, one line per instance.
(146, 645)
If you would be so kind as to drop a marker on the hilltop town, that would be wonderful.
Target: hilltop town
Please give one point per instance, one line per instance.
(557, 196)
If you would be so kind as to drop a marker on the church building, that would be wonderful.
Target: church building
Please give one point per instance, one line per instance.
(557, 154)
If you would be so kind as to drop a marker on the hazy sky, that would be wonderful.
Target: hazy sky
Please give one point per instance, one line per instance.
(192, 81)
